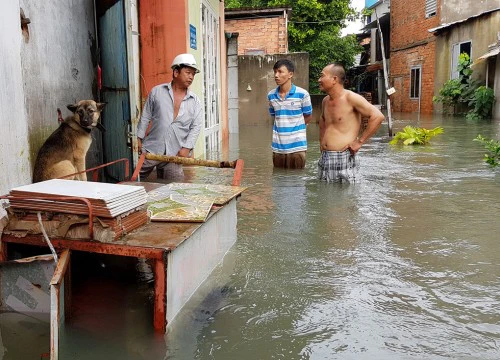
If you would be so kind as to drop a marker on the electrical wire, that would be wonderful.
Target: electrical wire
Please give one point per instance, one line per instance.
(46, 237)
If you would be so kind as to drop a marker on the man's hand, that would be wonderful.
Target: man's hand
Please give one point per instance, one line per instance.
(139, 145)
(183, 152)
(353, 147)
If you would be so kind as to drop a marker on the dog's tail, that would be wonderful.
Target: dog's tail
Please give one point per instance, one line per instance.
(59, 116)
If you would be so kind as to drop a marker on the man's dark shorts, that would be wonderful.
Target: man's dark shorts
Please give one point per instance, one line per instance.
(296, 160)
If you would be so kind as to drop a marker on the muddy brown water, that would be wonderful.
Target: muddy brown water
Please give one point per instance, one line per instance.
(404, 264)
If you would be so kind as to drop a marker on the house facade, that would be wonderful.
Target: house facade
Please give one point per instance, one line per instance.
(413, 53)
(367, 77)
(472, 28)
(171, 27)
(113, 51)
(261, 31)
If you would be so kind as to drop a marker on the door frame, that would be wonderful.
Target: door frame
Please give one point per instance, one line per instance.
(211, 78)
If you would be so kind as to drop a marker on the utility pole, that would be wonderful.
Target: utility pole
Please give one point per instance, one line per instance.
(388, 90)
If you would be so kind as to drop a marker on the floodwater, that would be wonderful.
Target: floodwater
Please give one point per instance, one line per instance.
(404, 264)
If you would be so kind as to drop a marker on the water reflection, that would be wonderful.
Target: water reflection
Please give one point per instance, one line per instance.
(401, 265)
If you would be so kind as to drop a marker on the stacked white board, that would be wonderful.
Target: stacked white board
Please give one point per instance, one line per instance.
(107, 200)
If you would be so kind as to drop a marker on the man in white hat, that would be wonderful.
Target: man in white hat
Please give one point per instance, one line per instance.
(176, 117)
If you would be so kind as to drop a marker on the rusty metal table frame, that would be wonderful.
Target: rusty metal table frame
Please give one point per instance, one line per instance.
(156, 254)
(159, 256)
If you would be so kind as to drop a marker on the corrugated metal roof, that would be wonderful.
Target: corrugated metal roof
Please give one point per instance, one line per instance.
(492, 52)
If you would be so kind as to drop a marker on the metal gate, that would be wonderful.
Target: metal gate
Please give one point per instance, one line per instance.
(210, 45)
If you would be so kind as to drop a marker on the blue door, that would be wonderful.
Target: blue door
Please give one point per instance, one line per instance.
(115, 90)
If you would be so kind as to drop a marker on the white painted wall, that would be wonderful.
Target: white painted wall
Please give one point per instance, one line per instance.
(189, 265)
(456, 10)
(15, 168)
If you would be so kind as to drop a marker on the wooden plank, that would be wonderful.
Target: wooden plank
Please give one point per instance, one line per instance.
(54, 322)
(61, 268)
(191, 161)
(238, 172)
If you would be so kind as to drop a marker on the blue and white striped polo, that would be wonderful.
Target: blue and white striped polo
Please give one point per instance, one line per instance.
(289, 129)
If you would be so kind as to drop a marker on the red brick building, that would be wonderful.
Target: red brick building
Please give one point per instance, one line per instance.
(413, 50)
(261, 30)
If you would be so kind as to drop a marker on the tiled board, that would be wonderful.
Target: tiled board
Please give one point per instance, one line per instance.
(187, 202)
(178, 208)
(220, 194)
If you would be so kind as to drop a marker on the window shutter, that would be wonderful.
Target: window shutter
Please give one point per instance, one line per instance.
(430, 8)
(455, 54)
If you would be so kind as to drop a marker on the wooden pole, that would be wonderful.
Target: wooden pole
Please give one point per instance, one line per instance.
(190, 161)
(389, 115)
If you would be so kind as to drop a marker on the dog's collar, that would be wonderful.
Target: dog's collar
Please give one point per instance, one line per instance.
(86, 129)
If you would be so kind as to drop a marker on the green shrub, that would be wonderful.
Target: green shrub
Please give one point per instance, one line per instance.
(449, 95)
(482, 103)
(492, 158)
(415, 136)
(465, 94)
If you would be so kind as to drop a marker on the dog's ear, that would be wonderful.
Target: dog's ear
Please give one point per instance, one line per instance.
(72, 107)
(100, 106)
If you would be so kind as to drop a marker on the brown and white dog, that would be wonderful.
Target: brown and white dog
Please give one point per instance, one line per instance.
(64, 151)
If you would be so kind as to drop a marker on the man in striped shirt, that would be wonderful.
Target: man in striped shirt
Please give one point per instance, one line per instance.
(290, 106)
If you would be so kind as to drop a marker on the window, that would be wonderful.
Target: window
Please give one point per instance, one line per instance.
(430, 8)
(415, 80)
(457, 49)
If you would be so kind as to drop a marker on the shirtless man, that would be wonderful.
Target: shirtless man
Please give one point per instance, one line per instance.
(340, 125)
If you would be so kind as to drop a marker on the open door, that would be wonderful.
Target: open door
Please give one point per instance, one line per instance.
(116, 117)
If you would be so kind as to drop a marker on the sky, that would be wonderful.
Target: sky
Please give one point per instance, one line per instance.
(354, 27)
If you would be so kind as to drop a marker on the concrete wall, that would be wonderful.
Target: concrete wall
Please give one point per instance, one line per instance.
(455, 10)
(316, 101)
(57, 66)
(256, 79)
(232, 86)
(15, 167)
(42, 69)
(260, 35)
(412, 45)
(480, 31)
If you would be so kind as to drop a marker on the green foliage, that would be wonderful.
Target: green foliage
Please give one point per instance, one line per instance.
(415, 136)
(466, 92)
(482, 103)
(315, 27)
(493, 148)
(366, 12)
(449, 94)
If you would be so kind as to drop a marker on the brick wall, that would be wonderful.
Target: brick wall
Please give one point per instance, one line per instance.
(412, 45)
(259, 36)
